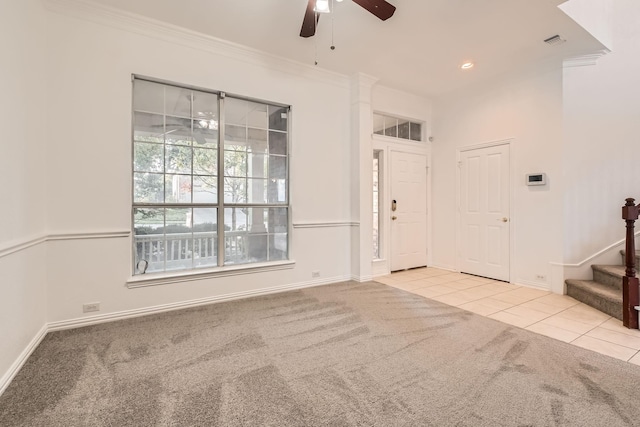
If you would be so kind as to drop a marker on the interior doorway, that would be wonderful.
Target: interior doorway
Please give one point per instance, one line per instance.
(484, 201)
(408, 210)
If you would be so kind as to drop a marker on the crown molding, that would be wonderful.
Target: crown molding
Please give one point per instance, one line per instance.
(584, 60)
(141, 25)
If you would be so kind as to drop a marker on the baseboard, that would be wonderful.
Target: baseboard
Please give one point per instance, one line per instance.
(526, 283)
(443, 267)
(20, 361)
(127, 314)
(361, 279)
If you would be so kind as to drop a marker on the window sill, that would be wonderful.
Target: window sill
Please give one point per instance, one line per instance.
(165, 278)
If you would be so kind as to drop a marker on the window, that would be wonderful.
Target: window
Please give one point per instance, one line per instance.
(376, 204)
(210, 179)
(396, 127)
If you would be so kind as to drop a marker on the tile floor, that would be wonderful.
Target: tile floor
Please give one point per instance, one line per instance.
(556, 316)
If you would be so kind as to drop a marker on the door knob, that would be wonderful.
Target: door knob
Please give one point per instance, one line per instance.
(505, 219)
(394, 218)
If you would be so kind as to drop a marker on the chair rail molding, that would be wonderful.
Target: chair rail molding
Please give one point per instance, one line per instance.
(26, 243)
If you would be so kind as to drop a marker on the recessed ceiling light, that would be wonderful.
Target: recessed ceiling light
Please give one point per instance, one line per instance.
(467, 65)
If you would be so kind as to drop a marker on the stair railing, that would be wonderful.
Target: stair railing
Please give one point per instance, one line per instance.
(630, 285)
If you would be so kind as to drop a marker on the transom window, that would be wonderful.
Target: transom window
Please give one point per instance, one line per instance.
(396, 127)
(210, 179)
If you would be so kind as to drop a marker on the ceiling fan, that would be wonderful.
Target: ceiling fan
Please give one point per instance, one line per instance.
(379, 8)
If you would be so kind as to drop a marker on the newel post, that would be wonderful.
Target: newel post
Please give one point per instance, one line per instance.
(630, 290)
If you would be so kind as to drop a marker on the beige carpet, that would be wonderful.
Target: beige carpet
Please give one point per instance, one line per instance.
(347, 354)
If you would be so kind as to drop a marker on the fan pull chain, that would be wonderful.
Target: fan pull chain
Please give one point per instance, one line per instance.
(333, 12)
(315, 39)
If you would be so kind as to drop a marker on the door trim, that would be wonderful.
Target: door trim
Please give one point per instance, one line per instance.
(382, 266)
(512, 212)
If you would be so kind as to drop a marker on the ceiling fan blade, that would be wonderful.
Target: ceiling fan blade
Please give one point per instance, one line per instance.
(310, 20)
(379, 8)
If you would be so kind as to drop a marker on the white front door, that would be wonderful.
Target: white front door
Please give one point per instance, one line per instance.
(409, 219)
(484, 212)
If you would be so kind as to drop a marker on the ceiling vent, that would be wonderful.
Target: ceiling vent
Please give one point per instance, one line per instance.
(555, 40)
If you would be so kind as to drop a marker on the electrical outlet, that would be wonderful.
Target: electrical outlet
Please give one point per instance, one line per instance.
(315, 273)
(89, 307)
(541, 277)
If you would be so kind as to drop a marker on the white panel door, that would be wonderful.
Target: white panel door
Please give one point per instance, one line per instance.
(484, 212)
(409, 219)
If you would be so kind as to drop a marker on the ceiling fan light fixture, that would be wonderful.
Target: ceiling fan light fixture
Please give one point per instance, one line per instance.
(467, 65)
(322, 6)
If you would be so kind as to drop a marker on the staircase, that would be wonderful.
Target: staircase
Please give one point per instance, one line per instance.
(604, 292)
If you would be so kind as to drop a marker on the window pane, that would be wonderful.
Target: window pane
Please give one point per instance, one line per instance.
(148, 188)
(376, 207)
(390, 126)
(148, 127)
(235, 190)
(257, 140)
(235, 138)
(277, 167)
(278, 220)
(235, 219)
(278, 117)
(416, 131)
(256, 165)
(148, 230)
(205, 189)
(257, 115)
(378, 124)
(177, 101)
(235, 163)
(179, 238)
(277, 191)
(376, 240)
(205, 161)
(205, 133)
(148, 96)
(257, 191)
(278, 143)
(257, 248)
(205, 238)
(178, 159)
(177, 131)
(403, 129)
(177, 188)
(205, 106)
(148, 157)
(235, 111)
(236, 228)
(278, 247)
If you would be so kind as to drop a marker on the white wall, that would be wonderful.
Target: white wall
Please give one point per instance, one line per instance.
(601, 137)
(527, 110)
(22, 218)
(91, 60)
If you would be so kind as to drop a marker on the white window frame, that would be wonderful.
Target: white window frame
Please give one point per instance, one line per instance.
(194, 273)
(393, 118)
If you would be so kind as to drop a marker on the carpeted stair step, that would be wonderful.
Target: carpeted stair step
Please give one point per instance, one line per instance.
(597, 295)
(622, 253)
(610, 275)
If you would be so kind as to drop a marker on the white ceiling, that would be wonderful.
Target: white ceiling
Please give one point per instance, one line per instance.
(419, 49)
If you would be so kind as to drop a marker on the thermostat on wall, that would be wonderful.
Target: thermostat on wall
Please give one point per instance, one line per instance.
(536, 178)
